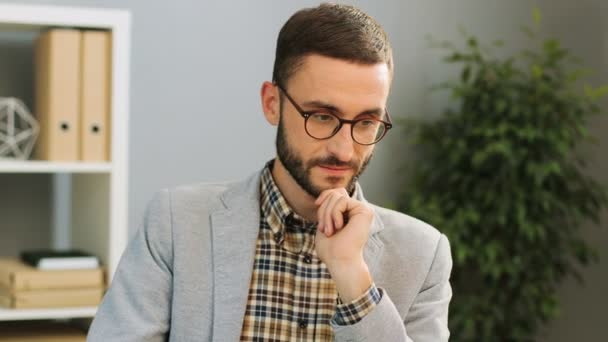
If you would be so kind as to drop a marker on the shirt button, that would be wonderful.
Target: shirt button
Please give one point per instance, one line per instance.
(290, 220)
(277, 237)
(302, 324)
(307, 259)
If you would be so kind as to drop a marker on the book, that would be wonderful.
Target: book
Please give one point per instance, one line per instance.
(40, 331)
(16, 276)
(44, 299)
(59, 259)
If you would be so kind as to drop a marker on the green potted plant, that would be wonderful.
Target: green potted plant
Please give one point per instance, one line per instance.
(501, 175)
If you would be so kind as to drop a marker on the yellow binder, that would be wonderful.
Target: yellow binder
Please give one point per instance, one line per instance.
(95, 109)
(57, 94)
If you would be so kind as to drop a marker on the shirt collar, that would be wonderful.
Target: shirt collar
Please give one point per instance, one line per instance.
(288, 228)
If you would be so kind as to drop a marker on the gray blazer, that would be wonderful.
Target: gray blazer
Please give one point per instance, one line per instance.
(185, 275)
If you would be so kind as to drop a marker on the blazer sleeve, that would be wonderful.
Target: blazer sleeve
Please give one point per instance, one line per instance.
(137, 304)
(427, 319)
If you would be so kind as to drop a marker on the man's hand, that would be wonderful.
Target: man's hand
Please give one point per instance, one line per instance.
(343, 230)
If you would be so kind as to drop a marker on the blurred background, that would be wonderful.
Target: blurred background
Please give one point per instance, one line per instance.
(195, 116)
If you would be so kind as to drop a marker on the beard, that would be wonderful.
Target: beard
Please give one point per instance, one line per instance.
(301, 172)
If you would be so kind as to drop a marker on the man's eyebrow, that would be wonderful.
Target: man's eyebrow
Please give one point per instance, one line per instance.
(320, 104)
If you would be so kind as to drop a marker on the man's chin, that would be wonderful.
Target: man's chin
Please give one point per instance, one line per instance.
(332, 182)
(321, 180)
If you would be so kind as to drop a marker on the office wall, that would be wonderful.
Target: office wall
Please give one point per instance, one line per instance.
(197, 67)
(582, 26)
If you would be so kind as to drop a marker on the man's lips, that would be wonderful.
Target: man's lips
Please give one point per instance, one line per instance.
(335, 169)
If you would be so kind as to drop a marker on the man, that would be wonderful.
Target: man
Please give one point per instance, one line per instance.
(294, 252)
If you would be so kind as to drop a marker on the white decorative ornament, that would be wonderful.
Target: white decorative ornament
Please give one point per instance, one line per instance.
(18, 129)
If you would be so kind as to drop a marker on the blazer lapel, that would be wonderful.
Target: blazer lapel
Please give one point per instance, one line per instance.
(235, 229)
(374, 245)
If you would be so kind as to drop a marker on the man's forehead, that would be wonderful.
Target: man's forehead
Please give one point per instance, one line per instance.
(321, 68)
(331, 79)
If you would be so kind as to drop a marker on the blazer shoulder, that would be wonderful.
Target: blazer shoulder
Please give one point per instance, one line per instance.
(198, 195)
(416, 248)
(407, 231)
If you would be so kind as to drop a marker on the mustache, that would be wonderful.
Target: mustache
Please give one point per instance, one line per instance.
(332, 161)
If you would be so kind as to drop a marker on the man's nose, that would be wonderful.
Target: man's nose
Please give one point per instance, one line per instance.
(341, 144)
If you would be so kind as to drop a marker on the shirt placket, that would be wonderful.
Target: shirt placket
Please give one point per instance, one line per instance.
(306, 284)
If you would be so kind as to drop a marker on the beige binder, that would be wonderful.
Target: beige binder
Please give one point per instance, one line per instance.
(57, 94)
(95, 109)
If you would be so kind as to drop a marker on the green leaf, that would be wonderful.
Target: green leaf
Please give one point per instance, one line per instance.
(576, 74)
(537, 71)
(454, 57)
(472, 42)
(588, 90)
(536, 16)
(466, 74)
(501, 105)
(600, 92)
(461, 255)
(528, 31)
(551, 45)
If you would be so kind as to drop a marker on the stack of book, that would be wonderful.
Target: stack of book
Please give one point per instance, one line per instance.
(40, 331)
(50, 280)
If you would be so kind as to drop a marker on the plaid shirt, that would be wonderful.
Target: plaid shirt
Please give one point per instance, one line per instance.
(291, 295)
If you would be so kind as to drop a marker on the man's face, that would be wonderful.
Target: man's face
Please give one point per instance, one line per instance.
(350, 91)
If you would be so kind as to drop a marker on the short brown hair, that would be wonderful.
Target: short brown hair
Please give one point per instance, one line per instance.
(331, 30)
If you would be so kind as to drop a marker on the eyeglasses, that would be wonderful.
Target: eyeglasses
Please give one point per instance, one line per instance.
(323, 125)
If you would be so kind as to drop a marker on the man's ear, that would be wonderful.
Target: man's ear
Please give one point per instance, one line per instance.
(271, 104)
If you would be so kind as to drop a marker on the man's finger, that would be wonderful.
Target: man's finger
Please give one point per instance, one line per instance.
(338, 212)
(322, 196)
(331, 201)
(320, 216)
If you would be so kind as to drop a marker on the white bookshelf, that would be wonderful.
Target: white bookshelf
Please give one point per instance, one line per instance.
(37, 166)
(88, 201)
(36, 314)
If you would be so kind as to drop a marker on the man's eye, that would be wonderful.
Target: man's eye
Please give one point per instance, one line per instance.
(320, 117)
(367, 123)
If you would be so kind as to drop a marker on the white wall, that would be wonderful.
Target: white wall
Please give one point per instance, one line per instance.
(197, 67)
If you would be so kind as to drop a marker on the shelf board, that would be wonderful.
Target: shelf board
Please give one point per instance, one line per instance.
(32, 314)
(35, 166)
(41, 16)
